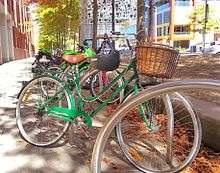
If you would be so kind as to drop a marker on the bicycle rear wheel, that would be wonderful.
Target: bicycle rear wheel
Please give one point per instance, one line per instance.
(35, 124)
(168, 143)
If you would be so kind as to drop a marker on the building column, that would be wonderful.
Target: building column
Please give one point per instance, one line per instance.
(10, 40)
(6, 34)
(4, 38)
(30, 49)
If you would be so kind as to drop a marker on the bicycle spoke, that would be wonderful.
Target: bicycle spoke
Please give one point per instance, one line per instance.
(35, 125)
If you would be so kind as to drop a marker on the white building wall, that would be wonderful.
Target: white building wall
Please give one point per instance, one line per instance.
(182, 15)
(124, 11)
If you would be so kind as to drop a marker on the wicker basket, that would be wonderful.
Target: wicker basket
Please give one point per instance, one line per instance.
(156, 60)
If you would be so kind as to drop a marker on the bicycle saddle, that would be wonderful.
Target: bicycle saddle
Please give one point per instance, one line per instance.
(74, 59)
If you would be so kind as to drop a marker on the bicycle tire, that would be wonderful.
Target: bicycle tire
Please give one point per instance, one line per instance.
(176, 86)
(23, 118)
(158, 161)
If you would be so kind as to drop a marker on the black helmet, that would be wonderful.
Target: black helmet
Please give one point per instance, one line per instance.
(108, 62)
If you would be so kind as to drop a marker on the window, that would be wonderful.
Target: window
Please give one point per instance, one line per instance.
(166, 17)
(159, 31)
(159, 19)
(162, 6)
(183, 2)
(166, 30)
(181, 30)
(181, 44)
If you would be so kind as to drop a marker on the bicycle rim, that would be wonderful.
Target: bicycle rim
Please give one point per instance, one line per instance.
(40, 128)
(171, 147)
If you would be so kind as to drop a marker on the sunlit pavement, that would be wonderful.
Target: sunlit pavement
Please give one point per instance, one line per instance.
(12, 75)
(72, 155)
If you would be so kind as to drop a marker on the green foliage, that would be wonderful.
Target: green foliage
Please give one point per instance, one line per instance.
(90, 53)
(181, 50)
(198, 20)
(58, 22)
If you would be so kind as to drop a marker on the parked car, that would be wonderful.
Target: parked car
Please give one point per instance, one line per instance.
(210, 48)
(213, 49)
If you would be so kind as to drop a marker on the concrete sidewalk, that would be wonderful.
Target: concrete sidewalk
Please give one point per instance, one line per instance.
(12, 74)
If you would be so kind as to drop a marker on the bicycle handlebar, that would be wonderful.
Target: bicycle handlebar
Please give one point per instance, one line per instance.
(113, 35)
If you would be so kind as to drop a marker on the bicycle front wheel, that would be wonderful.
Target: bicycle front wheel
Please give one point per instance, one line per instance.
(35, 124)
(167, 141)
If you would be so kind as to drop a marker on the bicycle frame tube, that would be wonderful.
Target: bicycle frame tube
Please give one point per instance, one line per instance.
(61, 112)
(145, 114)
(115, 93)
(79, 110)
(120, 75)
(80, 68)
(134, 78)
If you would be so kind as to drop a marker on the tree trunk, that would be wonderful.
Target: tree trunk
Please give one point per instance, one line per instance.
(83, 13)
(140, 21)
(150, 21)
(95, 24)
(74, 40)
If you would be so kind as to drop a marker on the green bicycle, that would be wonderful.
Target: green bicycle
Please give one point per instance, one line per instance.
(44, 115)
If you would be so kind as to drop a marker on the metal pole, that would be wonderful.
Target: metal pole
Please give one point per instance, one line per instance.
(206, 20)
